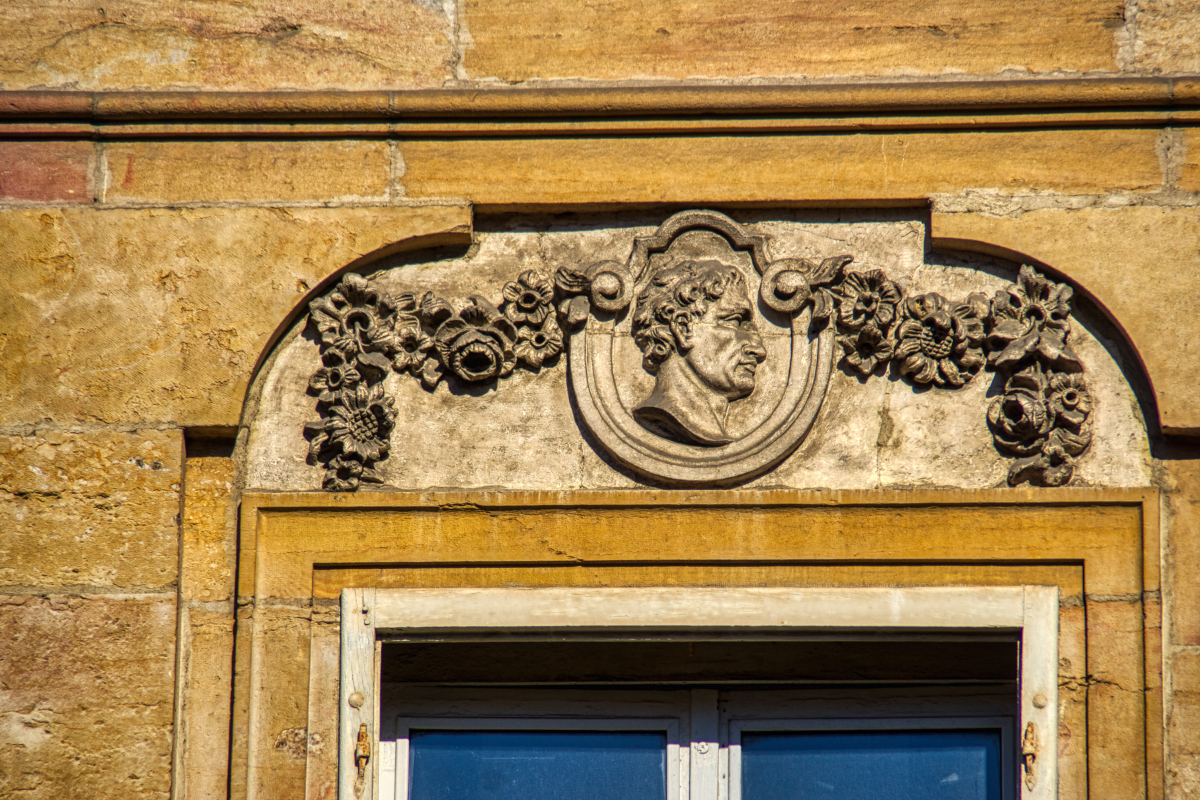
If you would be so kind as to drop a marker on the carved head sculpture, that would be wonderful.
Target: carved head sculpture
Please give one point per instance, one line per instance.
(695, 327)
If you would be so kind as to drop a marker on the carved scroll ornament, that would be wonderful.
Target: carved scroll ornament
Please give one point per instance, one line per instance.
(690, 313)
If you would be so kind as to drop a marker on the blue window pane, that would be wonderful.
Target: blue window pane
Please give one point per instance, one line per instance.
(537, 765)
(872, 765)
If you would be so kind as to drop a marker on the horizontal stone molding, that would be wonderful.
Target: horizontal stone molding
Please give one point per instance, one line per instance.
(602, 101)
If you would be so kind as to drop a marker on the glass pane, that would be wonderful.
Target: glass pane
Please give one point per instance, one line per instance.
(537, 765)
(872, 765)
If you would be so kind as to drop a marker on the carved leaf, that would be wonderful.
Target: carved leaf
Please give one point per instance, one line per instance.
(374, 365)
(1053, 348)
(829, 270)
(431, 373)
(572, 281)
(575, 311)
(434, 310)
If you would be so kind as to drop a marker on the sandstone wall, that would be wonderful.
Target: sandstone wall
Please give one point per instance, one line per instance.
(352, 44)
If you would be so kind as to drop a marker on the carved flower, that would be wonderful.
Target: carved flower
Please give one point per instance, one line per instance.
(360, 423)
(1056, 466)
(1032, 318)
(866, 350)
(528, 299)
(869, 299)
(477, 344)
(343, 474)
(334, 376)
(1051, 467)
(536, 345)
(412, 347)
(1019, 418)
(938, 343)
(1069, 400)
(355, 318)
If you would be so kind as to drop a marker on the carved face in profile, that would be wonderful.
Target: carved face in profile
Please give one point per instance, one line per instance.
(696, 329)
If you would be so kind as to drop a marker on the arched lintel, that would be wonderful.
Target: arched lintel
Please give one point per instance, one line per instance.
(1008, 254)
(1090, 254)
(461, 234)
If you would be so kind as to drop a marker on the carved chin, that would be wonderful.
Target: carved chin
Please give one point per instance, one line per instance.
(743, 381)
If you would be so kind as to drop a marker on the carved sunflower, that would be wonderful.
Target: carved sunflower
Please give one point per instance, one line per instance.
(360, 423)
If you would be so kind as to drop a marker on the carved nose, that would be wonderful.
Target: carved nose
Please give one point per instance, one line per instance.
(754, 346)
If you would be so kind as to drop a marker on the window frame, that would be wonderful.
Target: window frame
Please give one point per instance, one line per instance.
(671, 727)
(731, 767)
(1031, 611)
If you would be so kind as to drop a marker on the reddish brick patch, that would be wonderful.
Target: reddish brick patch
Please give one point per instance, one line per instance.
(55, 172)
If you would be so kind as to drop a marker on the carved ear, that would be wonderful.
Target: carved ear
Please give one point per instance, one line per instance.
(681, 329)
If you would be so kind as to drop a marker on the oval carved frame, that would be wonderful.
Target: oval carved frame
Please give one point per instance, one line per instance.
(594, 381)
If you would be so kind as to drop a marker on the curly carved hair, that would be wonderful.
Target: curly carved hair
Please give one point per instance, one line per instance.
(683, 289)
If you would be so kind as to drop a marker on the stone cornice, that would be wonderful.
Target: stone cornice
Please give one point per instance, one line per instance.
(690, 108)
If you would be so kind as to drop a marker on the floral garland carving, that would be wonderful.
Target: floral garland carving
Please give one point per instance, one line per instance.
(1043, 416)
(1042, 419)
(366, 333)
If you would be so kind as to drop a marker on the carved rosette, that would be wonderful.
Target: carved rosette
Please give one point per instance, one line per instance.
(1042, 420)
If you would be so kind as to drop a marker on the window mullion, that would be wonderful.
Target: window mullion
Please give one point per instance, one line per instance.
(705, 746)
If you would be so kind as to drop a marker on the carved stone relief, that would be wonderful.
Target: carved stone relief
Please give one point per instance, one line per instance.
(700, 359)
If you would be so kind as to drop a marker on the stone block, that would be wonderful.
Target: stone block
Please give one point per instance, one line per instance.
(1183, 552)
(209, 530)
(1168, 36)
(321, 779)
(197, 171)
(47, 172)
(127, 315)
(534, 40)
(205, 704)
(1072, 700)
(1121, 256)
(86, 696)
(1189, 176)
(726, 169)
(281, 718)
(90, 509)
(1116, 697)
(1183, 726)
(218, 44)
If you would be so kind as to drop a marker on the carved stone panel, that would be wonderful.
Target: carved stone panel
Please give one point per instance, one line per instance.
(691, 350)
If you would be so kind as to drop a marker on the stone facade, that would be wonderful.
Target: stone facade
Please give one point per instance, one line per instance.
(180, 185)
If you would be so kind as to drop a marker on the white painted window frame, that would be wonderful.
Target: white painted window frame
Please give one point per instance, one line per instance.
(1031, 611)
